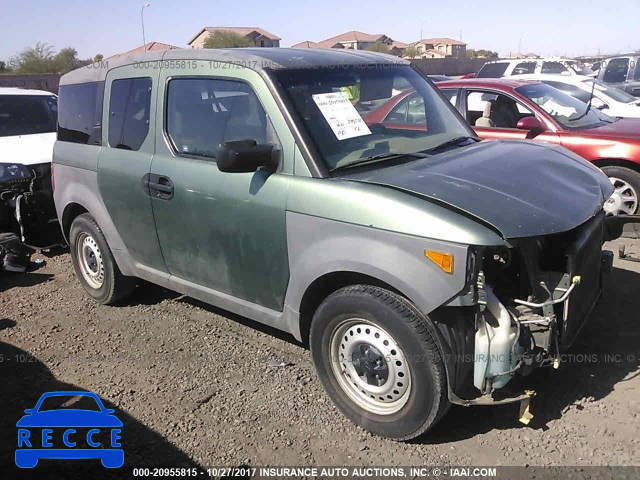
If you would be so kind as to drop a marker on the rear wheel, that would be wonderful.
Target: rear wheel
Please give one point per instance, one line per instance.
(376, 357)
(625, 199)
(94, 264)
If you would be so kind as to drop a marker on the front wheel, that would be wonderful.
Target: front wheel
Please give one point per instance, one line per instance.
(94, 264)
(626, 195)
(377, 359)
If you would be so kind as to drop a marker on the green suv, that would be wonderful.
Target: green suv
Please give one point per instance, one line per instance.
(422, 266)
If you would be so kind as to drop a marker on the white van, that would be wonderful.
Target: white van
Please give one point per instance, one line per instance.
(28, 120)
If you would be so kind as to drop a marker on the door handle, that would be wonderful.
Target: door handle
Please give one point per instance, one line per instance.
(158, 186)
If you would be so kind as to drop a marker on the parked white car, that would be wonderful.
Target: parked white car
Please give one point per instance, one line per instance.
(28, 120)
(612, 101)
(528, 66)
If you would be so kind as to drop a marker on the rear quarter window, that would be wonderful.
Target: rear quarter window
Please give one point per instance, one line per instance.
(129, 108)
(80, 113)
(492, 70)
(524, 68)
(554, 68)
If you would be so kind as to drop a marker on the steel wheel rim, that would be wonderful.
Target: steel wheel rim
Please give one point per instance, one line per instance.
(623, 200)
(90, 260)
(360, 350)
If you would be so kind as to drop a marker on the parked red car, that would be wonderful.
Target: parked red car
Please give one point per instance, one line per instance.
(508, 109)
(517, 109)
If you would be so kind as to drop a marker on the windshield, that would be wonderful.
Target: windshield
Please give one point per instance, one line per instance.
(27, 114)
(565, 110)
(353, 113)
(66, 402)
(612, 92)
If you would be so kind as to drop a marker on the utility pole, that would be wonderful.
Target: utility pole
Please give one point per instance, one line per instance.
(144, 40)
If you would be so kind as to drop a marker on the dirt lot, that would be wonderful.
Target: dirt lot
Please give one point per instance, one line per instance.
(196, 386)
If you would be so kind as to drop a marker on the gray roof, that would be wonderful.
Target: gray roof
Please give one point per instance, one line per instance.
(254, 58)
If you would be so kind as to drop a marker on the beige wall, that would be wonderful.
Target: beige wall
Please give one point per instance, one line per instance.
(199, 41)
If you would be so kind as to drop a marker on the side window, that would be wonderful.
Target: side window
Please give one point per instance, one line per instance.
(616, 71)
(554, 67)
(415, 110)
(80, 113)
(203, 113)
(398, 114)
(410, 110)
(524, 68)
(492, 70)
(451, 95)
(636, 75)
(129, 107)
(492, 109)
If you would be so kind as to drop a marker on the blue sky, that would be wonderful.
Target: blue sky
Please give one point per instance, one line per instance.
(546, 27)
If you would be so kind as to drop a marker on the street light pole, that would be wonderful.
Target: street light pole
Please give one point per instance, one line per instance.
(144, 40)
(421, 28)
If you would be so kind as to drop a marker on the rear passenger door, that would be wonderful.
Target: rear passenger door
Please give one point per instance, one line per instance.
(220, 231)
(125, 158)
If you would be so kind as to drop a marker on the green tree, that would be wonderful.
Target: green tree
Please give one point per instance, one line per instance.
(410, 52)
(43, 59)
(379, 47)
(226, 39)
(67, 59)
(471, 53)
(3, 67)
(38, 59)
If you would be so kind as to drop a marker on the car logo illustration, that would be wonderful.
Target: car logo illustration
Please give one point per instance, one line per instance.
(69, 425)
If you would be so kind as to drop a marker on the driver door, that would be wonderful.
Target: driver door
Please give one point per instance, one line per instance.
(481, 107)
(221, 232)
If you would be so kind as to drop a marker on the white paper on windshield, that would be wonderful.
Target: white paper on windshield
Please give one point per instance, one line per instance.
(341, 115)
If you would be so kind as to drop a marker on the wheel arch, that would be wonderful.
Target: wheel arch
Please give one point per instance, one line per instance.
(327, 284)
(616, 162)
(69, 214)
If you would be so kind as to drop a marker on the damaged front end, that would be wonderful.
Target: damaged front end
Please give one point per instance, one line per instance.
(26, 205)
(529, 300)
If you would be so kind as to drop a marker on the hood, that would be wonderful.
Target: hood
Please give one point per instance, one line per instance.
(520, 188)
(627, 128)
(69, 418)
(27, 149)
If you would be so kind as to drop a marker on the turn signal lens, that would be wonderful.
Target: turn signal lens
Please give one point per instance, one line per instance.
(443, 260)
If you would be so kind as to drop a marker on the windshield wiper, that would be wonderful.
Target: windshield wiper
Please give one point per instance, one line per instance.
(453, 141)
(377, 158)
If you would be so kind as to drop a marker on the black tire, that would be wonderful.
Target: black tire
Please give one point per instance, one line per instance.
(426, 395)
(631, 177)
(111, 285)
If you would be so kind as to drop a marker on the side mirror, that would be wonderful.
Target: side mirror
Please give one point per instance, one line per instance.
(532, 124)
(245, 156)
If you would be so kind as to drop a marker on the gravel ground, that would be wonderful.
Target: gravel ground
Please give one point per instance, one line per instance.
(197, 386)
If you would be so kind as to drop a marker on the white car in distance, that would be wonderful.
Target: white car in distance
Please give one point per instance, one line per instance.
(612, 101)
